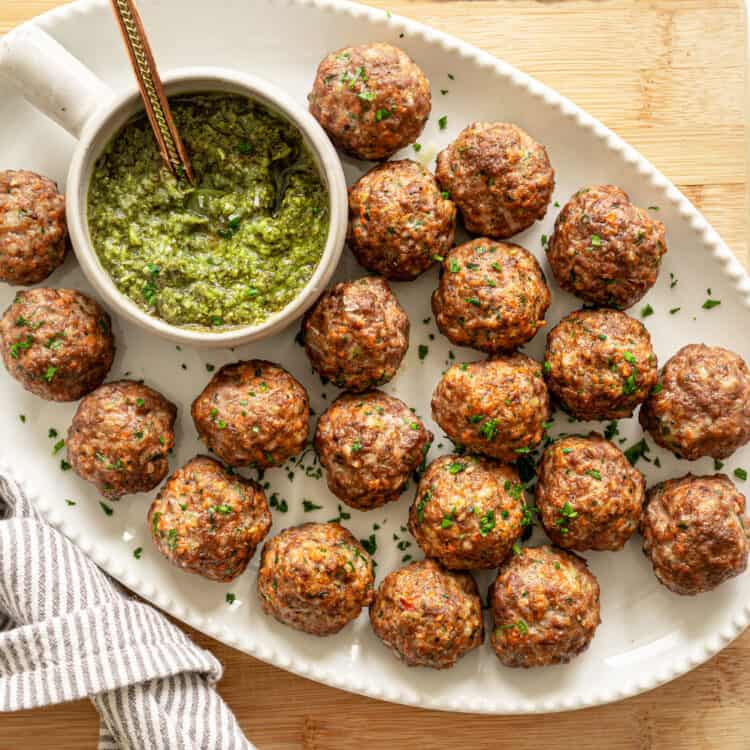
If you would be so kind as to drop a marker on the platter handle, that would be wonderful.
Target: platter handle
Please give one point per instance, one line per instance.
(50, 78)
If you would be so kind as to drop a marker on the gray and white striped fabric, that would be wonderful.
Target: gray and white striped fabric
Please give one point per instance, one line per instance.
(67, 631)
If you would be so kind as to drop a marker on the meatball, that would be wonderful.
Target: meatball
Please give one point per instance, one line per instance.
(694, 532)
(497, 407)
(252, 413)
(356, 334)
(57, 343)
(492, 296)
(599, 364)
(120, 438)
(208, 521)
(315, 577)
(372, 99)
(427, 615)
(33, 233)
(587, 493)
(499, 177)
(468, 512)
(701, 404)
(399, 221)
(369, 445)
(545, 606)
(604, 249)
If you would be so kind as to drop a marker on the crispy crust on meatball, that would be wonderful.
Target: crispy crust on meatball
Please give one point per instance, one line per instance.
(315, 577)
(57, 343)
(695, 532)
(701, 405)
(372, 99)
(604, 249)
(209, 521)
(499, 177)
(492, 296)
(369, 444)
(599, 364)
(496, 407)
(356, 334)
(253, 413)
(120, 438)
(587, 493)
(428, 616)
(33, 232)
(399, 220)
(545, 605)
(468, 512)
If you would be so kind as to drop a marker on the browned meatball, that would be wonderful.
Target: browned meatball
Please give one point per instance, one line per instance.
(545, 604)
(369, 444)
(695, 532)
(587, 493)
(356, 334)
(499, 177)
(701, 404)
(497, 407)
(252, 413)
(120, 438)
(468, 512)
(492, 296)
(604, 249)
(399, 221)
(315, 578)
(33, 233)
(599, 364)
(372, 99)
(208, 521)
(428, 616)
(57, 343)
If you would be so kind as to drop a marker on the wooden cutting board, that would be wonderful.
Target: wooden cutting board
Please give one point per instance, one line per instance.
(668, 76)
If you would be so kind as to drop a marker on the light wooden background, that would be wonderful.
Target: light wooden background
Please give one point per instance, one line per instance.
(668, 76)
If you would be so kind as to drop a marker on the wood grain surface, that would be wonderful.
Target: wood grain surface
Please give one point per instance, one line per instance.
(668, 76)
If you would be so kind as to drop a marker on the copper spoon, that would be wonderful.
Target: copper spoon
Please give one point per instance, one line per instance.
(170, 144)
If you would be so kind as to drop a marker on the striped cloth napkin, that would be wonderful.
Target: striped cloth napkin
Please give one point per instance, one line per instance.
(67, 631)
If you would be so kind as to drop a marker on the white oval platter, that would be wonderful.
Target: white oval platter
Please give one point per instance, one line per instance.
(648, 635)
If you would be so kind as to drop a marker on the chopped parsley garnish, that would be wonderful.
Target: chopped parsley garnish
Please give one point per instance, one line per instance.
(658, 388)
(137, 552)
(19, 345)
(370, 544)
(64, 465)
(310, 506)
(718, 465)
(454, 267)
(675, 310)
(139, 402)
(230, 597)
(70, 502)
(421, 505)
(22, 417)
(596, 240)
(611, 430)
(672, 280)
(423, 351)
(443, 122)
(447, 521)
(382, 114)
(489, 429)
(547, 367)
(637, 451)
(595, 473)
(740, 474)
(646, 311)
(356, 446)
(487, 523)
(417, 147)
(108, 510)
(566, 514)
(516, 548)
(709, 304)
(456, 467)
(58, 446)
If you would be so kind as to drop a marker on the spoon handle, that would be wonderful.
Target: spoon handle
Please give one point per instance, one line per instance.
(159, 114)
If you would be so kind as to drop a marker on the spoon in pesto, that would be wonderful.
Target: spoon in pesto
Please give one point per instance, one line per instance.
(155, 101)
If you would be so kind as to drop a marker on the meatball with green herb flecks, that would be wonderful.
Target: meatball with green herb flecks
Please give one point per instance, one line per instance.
(492, 296)
(57, 343)
(468, 512)
(253, 413)
(604, 249)
(587, 493)
(695, 532)
(369, 445)
(499, 177)
(315, 577)
(545, 607)
(371, 99)
(701, 404)
(599, 364)
(33, 232)
(208, 520)
(356, 334)
(497, 407)
(427, 615)
(120, 438)
(399, 221)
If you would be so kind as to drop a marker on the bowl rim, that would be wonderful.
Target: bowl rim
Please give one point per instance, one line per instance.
(112, 115)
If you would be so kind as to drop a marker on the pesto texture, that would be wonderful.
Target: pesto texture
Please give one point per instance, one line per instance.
(232, 249)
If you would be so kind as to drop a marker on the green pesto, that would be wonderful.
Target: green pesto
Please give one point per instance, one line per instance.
(229, 251)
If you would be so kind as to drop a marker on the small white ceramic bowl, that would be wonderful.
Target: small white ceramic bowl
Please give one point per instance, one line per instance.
(60, 86)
